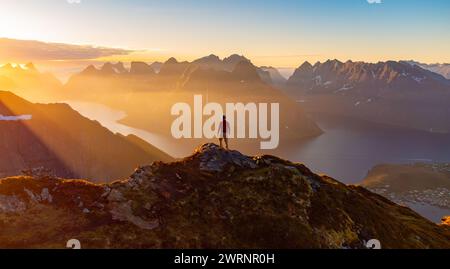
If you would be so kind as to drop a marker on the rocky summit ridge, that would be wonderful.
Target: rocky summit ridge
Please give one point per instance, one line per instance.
(212, 199)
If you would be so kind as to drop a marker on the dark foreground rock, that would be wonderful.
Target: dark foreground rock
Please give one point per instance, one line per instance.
(212, 199)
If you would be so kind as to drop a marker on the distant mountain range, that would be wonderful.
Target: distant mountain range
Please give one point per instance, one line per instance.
(214, 199)
(270, 75)
(334, 76)
(57, 138)
(395, 93)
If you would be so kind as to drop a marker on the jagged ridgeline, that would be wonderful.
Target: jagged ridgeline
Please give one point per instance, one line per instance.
(212, 199)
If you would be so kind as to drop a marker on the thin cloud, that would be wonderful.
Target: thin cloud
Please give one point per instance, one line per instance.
(74, 1)
(374, 1)
(29, 50)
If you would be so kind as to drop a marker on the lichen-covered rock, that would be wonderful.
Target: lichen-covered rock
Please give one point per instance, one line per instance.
(212, 199)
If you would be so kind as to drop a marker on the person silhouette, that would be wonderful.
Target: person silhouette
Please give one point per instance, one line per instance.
(224, 132)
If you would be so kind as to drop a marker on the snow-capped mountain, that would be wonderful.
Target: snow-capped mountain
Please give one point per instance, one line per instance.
(335, 76)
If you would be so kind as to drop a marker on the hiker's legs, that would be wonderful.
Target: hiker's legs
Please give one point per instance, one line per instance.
(220, 140)
(226, 142)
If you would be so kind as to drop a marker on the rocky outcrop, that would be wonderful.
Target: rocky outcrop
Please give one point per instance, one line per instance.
(212, 159)
(212, 199)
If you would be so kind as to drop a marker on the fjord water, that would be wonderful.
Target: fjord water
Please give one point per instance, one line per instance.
(347, 150)
(349, 147)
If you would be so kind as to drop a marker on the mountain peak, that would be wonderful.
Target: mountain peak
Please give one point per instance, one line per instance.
(90, 70)
(141, 68)
(173, 68)
(235, 58)
(305, 71)
(334, 61)
(171, 60)
(210, 59)
(306, 65)
(108, 69)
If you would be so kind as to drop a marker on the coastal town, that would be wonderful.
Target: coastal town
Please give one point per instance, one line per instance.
(439, 196)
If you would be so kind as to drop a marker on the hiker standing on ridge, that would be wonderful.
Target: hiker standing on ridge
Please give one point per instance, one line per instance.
(224, 131)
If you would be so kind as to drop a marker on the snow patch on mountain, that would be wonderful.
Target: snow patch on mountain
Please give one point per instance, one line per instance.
(15, 118)
(419, 79)
(345, 88)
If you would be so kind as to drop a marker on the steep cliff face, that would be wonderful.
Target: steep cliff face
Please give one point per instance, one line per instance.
(212, 199)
